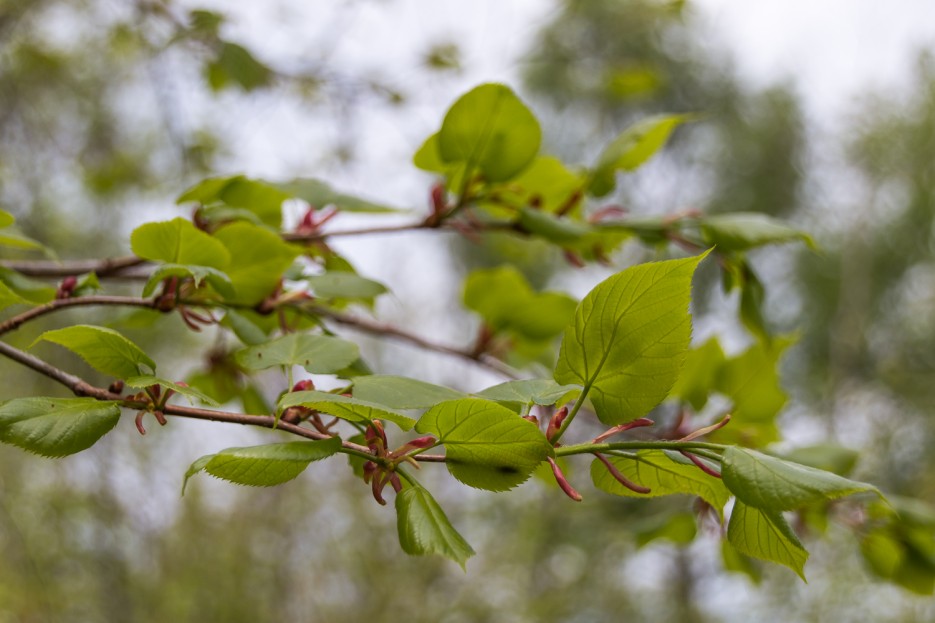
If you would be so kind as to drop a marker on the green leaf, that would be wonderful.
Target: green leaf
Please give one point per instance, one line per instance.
(763, 481)
(264, 466)
(699, 374)
(827, 457)
(346, 408)
(6, 219)
(246, 330)
(319, 354)
(105, 350)
(634, 146)
(56, 427)
(16, 240)
(490, 129)
(629, 338)
(653, 469)
(766, 535)
(487, 445)
(344, 285)
(258, 260)
(33, 291)
(260, 198)
(740, 563)
(178, 242)
(217, 279)
(530, 392)
(739, 231)
(236, 66)
(399, 392)
(10, 297)
(319, 194)
(751, 381)
(424, 529)
(189, 392)
(507, 302)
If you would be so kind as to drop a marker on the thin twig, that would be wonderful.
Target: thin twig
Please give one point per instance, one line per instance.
(107, 267)
(382, 329)
(16, 321)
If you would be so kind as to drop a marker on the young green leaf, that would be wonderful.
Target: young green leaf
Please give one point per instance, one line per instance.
(218, 280)
(319, 194)
(530, 392)
(700, 373)
(178, 242)
(190, 393)
(768, 483)
(56, 427)
(739, 231)
(424, 529)
(399, 392)
(507, 302)
(344, 285)
(260, 198)
(629, 338)
(765, 534)
(105, 350)
(487, 445)
(653, 469)
(264, 466)
(258, 260)
(9, 297)
(632, 148)
(6, 219)
(346, 408)
(319, 354)
(490, 129)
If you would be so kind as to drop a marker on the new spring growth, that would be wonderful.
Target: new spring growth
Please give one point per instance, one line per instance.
(157, 402)
(555, 424)
(439, 205)
(610, 432)
(626, 482)
(380, 473)
(67, 288)
(298, 413)
(562, 481)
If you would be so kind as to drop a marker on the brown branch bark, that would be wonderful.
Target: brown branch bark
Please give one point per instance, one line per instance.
(80, 387)
(16, 321)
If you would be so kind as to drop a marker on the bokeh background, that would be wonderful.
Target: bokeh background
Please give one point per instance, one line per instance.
(819, 113)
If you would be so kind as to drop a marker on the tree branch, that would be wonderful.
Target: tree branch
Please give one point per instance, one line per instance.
(16, 321)
(385, 330)
(107, 267)
(80, 387)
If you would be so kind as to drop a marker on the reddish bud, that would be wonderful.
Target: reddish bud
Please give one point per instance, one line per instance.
(700, 464)
(610, 432)
(555, 424)
(303, 386)
(67, 287)
(422, 442)
(438, 199)
(569, 204)
(531, 418)
(562, 481)
(535, 202)
(626, 482)
(573, 258)
(116, 387)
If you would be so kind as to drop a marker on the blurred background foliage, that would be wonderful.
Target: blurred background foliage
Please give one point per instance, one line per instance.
(108, 110)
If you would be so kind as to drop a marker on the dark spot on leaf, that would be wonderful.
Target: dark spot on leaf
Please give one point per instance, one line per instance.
(506, 469)
(307, 362)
